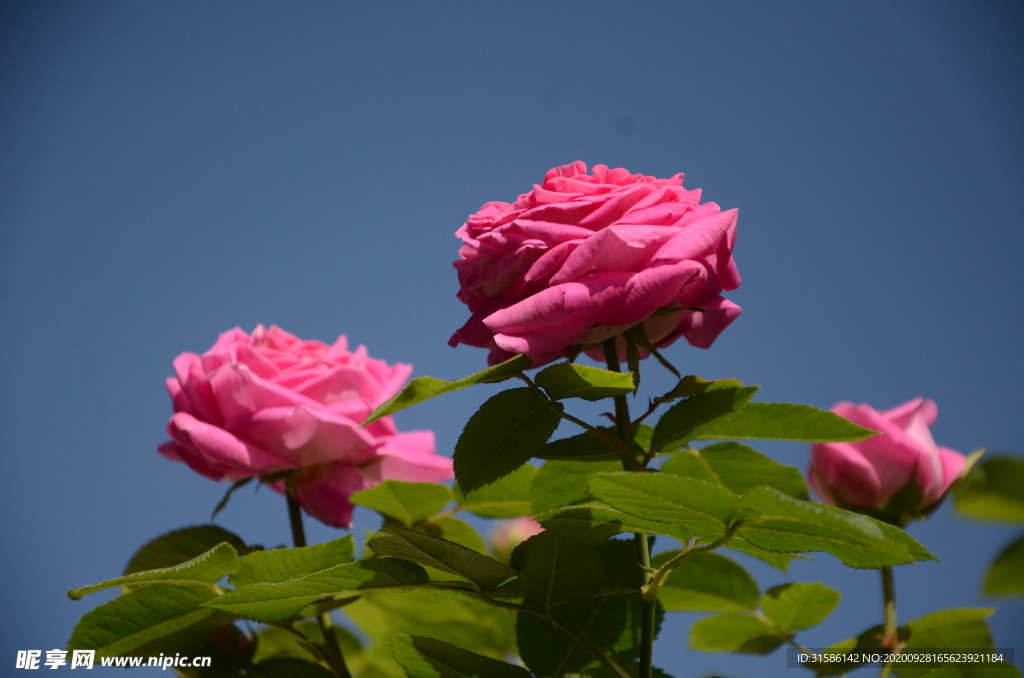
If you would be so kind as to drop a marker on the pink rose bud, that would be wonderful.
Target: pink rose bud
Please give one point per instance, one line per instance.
(584, 257)
(511, 534)
(270, 402)
(899, 474)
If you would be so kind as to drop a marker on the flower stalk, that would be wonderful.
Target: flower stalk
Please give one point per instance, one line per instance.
(630, 463)
(332, 652)
(889, 628)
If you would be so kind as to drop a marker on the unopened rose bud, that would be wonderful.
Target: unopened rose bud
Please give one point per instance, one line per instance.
(897, 475)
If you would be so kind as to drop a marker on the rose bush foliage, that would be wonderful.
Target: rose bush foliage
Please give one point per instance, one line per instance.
(582, 257)
(581, 262)
(260, 404)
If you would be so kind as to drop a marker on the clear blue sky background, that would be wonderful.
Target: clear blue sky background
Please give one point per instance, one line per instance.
(171, 170)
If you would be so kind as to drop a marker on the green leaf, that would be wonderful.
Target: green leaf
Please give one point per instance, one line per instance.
(740, 468)
(204, 569)
(408, 503)
(784, 421)
(734, 633)
(866, 643)
(692, 385)
(566, 380)
(795, 607)
(583, 517)
(683, 418)
(282, 565)
(1006, 576)
(631, 669)
(956, 629)
(458, 531)
(501, 436)
(273, 642)
(288, 667)
(642, 436)
(484, 572)
(428, 658)
(562, 483)
(690, 464)
(895, 534)
(582, 447)
(705, 509)
(158, 617)
(993, 490)
(989, 670)
(611, 622)
(451, 618)
(178, 546)
(425, 388)
(555, 568)
(777, 522)
(707, 582)
(779, 561)
(267, 602)
(944, 672)
(508, 497)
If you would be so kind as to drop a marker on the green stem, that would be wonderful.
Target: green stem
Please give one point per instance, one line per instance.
(334, 657)
(614, 442)
(658, 577)
(629, 463)
(889, 629)
(295, 520)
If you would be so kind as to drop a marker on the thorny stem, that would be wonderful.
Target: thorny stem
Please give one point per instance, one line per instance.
(334, 657)
(658, 577)
(651, 409)
(614, 442)
(629, 463)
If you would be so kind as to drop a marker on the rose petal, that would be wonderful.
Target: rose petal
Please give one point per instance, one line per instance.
(618, 248)
(848, 475)
(220, 448)
(895, 454)
(305, 436)
(187, 454)
(560, 304)
(323, 492)
(952, 466)
(410, 457)
(918, 408)
(238, 392)
(697, 238)
(701, 329)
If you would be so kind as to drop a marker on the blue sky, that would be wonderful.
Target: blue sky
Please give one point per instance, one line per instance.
(171, 170)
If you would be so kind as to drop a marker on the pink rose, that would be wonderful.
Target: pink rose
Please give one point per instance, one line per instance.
(584, 257)
(901, 471)
(256, 405)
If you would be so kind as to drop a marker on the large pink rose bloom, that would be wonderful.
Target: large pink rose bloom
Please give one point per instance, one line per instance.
(269, 402)
(903, 459)
(583, 257)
